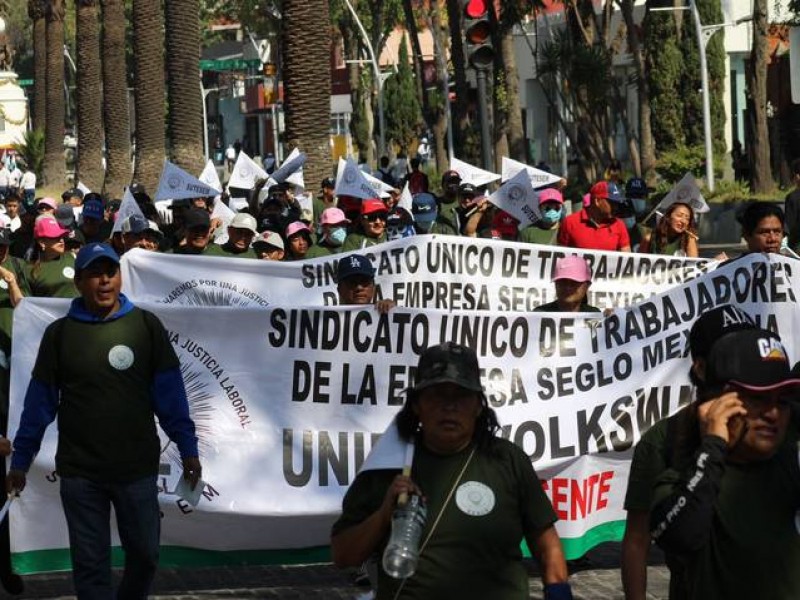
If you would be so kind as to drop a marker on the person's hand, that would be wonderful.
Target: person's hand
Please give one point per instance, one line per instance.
(15, 481)
(8, 276)
(721, 256)
(400, 485)
(192, 470)
(5, 446)
(385, 305)
(720, 415)
(216, 222)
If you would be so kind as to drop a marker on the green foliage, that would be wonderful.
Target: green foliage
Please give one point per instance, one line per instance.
(664, 68)
(31, 149)
(674, 164)
(402, 109)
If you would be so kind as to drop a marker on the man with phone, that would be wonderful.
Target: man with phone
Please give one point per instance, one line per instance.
(730, 510)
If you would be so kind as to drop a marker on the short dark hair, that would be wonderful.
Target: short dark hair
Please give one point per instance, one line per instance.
(384, 161)
(757, 211)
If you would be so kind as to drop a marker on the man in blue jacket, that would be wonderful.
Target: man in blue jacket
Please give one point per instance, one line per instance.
(106, 396)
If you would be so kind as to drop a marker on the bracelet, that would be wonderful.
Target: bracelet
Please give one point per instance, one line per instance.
(557, 591)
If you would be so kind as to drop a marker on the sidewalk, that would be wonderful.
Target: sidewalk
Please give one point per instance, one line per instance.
(595, 576)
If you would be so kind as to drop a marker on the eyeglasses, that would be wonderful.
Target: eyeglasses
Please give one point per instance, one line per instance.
(377, 216)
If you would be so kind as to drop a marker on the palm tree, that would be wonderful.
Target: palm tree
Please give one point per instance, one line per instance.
(54, 166)
(307, 82)
(148, 45)
(116, 115)
(89, 168)
(36, 11)
(183, 84)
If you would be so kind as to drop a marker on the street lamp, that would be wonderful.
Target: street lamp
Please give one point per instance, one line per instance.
(704, 34)
(378, 79)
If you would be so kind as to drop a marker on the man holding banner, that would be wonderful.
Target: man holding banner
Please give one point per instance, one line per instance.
(106, 398)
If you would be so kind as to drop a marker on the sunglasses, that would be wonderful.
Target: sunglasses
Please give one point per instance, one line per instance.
(377, 216)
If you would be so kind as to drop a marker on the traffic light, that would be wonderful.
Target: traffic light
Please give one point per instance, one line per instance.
(478, 33)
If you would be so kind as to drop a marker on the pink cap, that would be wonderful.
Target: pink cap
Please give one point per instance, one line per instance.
(293, 228)
(371, 205)
(48, 228)
(572, 267)
(333, 216)
(550, 195)
(48, 202)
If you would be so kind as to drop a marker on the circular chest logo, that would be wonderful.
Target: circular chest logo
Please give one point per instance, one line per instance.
(68, 272)
(475, 498)
(120, 357)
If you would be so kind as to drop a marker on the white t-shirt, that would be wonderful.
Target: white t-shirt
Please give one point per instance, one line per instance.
(3, 177)
(28, 181)
(15, 223)
(14, 177)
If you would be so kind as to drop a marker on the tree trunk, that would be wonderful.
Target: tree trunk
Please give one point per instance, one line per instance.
(514, 126)
(438, 114)
(185, 97)
(307, 81)
(54, 165)
(461, 106)
(36, 11)
(762, 174)
(116, 115)
(646, 143)
(89, 166)
(419, 64)
(148, 46)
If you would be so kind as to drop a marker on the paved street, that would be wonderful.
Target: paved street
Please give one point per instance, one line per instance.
(594, 577)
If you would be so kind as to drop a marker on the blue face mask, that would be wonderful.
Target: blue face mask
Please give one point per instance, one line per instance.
(551, 215)
(336, 236)
(630, 222)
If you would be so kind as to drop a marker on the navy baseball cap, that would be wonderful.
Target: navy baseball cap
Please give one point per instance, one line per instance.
(448, 363)
(93, 209)
(355, 264)
(636, 187)
(424, 208)
(88, 254)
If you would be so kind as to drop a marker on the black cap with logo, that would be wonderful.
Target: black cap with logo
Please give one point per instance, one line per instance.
(448, 363)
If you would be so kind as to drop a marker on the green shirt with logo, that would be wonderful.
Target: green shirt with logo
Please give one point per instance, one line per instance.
(53, 278)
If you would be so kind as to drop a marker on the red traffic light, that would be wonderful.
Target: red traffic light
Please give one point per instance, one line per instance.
(476, 9)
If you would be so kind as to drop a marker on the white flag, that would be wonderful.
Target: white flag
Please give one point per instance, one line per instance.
(538, 177)
(406, 201)
(225, 215)
(176, 184)
(293, 163)
(474, 175)
(245, 172)
(210, 177)
(84, 188)
(518, 198)
(382, 190)
(296, 179)
(306, 202)
(351, 181)
(127, 207)
(686, 191)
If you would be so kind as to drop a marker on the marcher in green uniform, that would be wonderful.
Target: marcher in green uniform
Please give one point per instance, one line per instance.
(545, 231)
(333, 231)
(197, 229)
(269, 245)
(241, 231)
(572, 278)
(482, 494)
(730, 510)
(448, 219)
(52, 268)
(372, 226)
(298, 241)
(655, 452)
(138, 232)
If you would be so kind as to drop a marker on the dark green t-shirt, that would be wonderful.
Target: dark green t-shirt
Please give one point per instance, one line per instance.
(105, 370)
(469, 556)
(54, 278)
(358, 241)
(448, 221)
(753, 547)
(649, 461)
(317, 251)
(225, 250)
(553, 307)
(19, 269)
(536, 235)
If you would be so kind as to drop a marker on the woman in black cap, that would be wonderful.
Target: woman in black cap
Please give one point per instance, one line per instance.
(483, 496)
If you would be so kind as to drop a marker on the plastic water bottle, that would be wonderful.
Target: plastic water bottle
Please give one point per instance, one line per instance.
(402, 553)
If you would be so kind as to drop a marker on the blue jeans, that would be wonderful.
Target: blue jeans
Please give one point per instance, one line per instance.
(87, 506)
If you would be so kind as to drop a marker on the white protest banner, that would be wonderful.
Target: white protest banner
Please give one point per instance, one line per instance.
(406, 201)
(245, 172)
(474, 175)
(210, 177)
(289, 401)
(518, 198)
(439, 271)
(293, 163)
(538, 177)
(177, 184)
(351, 181)
(686, 191)
(127, 207)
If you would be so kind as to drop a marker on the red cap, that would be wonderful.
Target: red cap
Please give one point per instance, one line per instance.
(371, 205)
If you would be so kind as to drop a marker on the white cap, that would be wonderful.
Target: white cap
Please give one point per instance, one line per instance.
(244, 221)
(272, 238)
